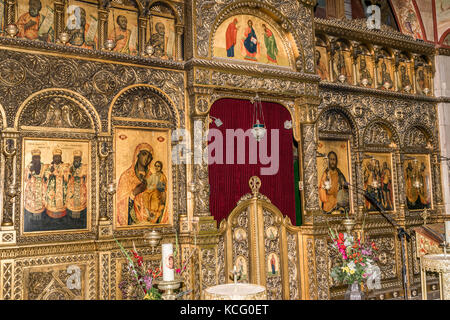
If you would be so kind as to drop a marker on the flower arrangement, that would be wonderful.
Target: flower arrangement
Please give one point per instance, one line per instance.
(357, 260)
(139, 284)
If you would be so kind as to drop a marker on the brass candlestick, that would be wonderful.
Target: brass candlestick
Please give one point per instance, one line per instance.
(169, 288)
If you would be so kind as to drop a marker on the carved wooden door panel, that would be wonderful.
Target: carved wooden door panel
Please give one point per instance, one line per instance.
(263, 247)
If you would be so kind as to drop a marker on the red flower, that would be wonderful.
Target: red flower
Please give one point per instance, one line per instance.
(341, 237)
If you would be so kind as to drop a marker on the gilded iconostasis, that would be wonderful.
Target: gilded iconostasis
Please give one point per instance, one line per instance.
(105, 112)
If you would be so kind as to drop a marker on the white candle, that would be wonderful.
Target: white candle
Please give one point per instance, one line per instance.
(447, 232)
(167, 262)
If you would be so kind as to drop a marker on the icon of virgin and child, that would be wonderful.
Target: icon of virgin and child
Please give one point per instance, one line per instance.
(142, 192)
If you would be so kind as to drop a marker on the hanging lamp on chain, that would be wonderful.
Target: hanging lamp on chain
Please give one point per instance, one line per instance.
(258, 127)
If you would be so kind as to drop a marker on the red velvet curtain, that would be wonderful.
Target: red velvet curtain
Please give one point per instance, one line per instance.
(229, 182)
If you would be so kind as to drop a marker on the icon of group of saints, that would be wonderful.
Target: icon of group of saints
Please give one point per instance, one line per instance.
(378, 183)
(250, 44)
(56, 193)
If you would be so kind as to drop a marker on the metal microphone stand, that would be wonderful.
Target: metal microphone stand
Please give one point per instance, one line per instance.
(401, 233)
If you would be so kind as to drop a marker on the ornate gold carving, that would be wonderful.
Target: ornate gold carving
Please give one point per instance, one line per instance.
(333, 121)
(143, 103)
(52, 110)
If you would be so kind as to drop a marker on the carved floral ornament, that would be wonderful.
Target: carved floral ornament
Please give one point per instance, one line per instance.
(378, 134)
(143, 102)
(416, 137)
(334, 121)
(58, 109)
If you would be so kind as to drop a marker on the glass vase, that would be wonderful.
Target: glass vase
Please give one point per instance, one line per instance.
(354, 292)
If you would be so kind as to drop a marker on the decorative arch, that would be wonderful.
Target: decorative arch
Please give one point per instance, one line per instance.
(341, 114)
(442, 40)
(294, 44)
(58, 108)
(418, 136)
(380, 133)
(137, 102)
(285, 55)
(322, 40)
(336, 119)
(216, 98)
(178, 17)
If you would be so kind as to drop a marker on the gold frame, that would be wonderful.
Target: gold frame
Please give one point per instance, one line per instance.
(432, 205)
(350, 175)
(394, 209)
(89, 188)
(168, 175)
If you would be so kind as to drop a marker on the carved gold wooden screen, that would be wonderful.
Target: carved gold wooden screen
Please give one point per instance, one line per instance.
(263, 245)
